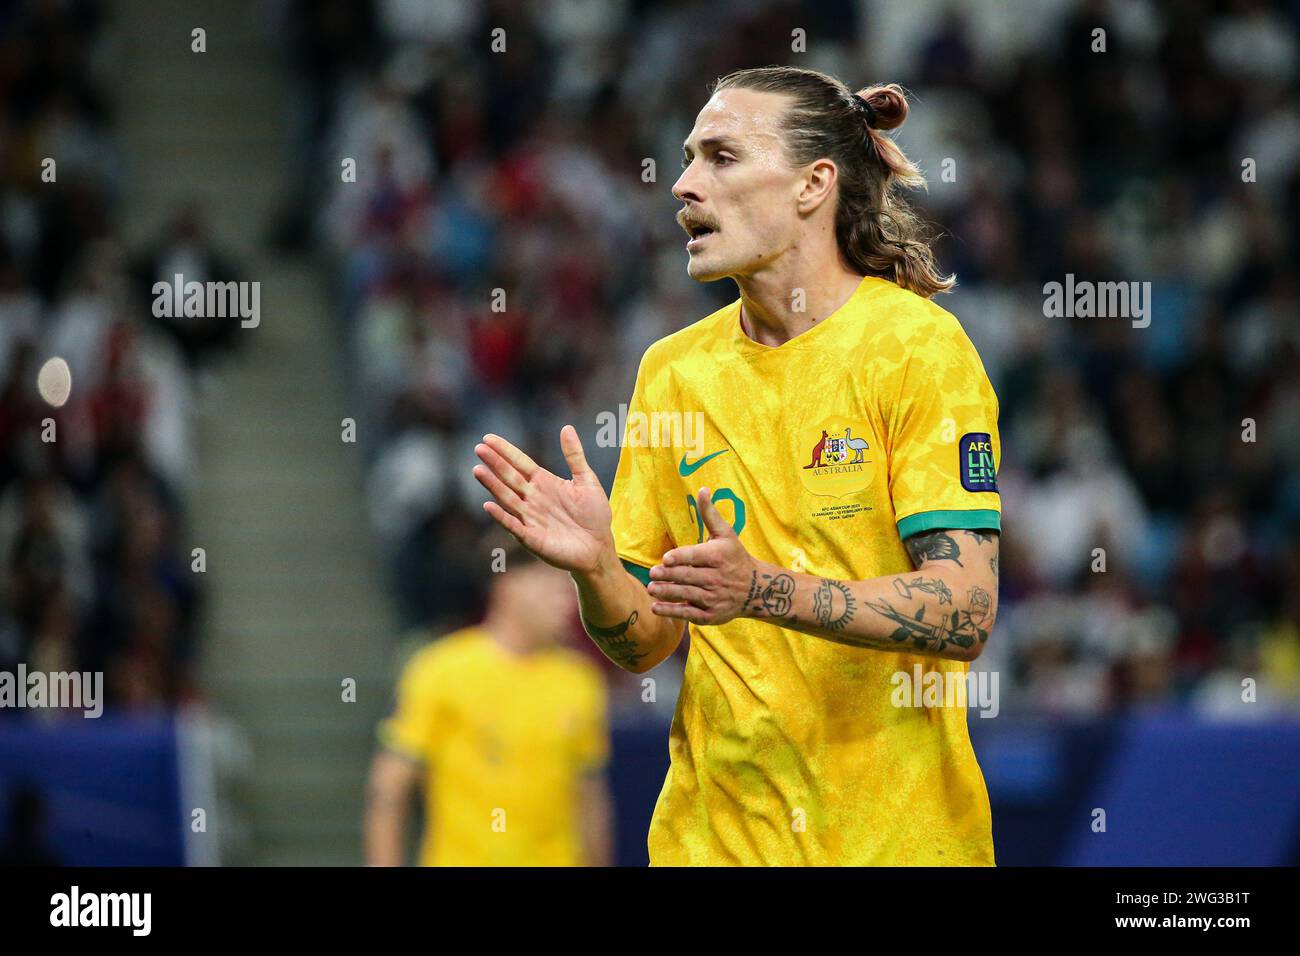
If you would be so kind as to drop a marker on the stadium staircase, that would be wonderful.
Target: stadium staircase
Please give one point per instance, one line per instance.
(293, 595)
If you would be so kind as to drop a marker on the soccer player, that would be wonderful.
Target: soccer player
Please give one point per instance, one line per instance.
(506, 730)
(850, 539)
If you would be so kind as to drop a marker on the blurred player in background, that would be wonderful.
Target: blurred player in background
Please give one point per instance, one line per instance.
(505, 729)
(850, 429)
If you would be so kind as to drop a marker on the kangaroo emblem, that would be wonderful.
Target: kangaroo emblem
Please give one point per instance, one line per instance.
(817, 452)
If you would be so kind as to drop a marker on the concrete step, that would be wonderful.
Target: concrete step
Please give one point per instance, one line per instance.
(310, 810)
(296, 849)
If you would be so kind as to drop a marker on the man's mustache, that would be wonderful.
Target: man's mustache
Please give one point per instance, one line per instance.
(687, 220)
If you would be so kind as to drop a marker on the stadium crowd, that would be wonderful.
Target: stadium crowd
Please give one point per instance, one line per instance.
(93, 573)
(1150, 474)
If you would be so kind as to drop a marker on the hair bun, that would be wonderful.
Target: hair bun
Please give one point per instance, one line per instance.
(886, 105)
(867, 109)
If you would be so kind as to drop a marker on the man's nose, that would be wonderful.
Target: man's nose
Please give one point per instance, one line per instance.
(686, 188)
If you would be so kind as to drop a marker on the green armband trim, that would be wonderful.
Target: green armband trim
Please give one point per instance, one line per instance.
(638, 572)
(974, 520)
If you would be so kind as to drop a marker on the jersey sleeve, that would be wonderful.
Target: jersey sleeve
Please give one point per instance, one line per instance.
(641, 534)
(945, 450)
(592, 744)
(413, 728)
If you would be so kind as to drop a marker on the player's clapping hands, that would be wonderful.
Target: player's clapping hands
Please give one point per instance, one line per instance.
(708, 583)
(566, 523)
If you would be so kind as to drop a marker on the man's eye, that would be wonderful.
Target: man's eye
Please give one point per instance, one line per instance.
(724, 160)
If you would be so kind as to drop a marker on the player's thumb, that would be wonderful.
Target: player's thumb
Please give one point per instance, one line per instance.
(719, 527)
(571, 445)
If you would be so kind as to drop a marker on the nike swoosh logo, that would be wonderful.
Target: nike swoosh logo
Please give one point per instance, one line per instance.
(686, 469)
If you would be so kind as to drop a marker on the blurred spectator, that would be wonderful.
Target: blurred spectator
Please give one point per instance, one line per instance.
(187, 250)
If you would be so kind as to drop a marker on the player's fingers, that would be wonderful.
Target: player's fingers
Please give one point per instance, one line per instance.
(719, 527)
(678, 593)
(682, 612)
(697, 555)
(684, 574)
(507, 521)
(502, 468)
(571, 445)
(521, 462)
(497, 488)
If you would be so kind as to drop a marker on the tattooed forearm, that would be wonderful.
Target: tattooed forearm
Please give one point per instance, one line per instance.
(932, 586)
(933, 546)
(979, 606)
(615, 643)
(930, 619)
(945, 609)
(833, 604)
(960, 627)
(770, 595)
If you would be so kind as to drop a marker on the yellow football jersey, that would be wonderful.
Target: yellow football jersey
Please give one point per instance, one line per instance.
(825, 453)
(506, 739)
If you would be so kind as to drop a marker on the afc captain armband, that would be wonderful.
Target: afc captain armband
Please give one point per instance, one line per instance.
(978, 472)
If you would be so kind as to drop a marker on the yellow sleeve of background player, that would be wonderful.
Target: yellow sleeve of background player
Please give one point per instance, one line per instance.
(413, 728)
(944, 448)
(592, 751)
(641, 534)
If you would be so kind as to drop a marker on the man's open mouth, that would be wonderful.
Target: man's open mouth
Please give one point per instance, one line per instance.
(698, 233)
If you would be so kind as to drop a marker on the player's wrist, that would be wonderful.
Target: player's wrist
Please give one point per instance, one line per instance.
(604, 568)
(760, 576)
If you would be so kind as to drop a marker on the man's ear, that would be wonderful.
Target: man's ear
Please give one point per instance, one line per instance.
(818, 185)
